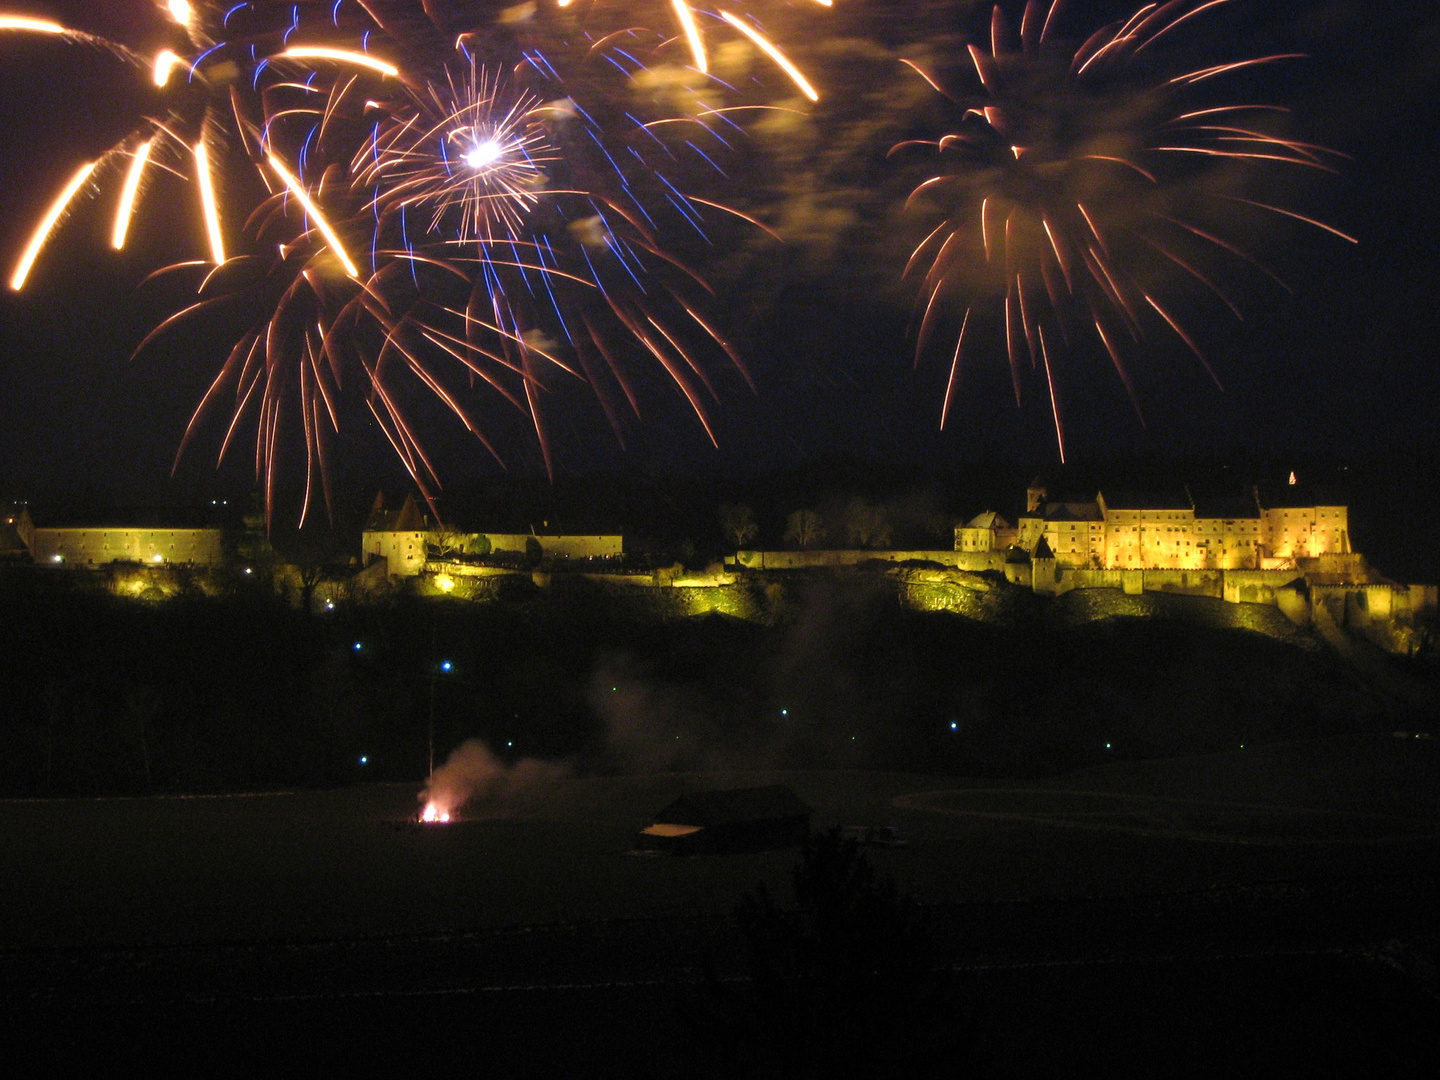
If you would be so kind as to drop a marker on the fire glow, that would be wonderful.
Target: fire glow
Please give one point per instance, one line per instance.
(433, 815)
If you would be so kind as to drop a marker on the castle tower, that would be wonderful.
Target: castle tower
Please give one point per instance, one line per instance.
(1035, 496)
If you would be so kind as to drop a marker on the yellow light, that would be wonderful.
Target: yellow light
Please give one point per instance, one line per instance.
(127, 195)
(165, 63)
(314, 212)
(344, 56)
(207, 203)
(445, 583)
(47, 224)
(774, 54)
(36, 26)
(181, 11)
(692, 32)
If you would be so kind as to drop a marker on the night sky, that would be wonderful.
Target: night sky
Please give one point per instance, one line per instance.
(1344, 366)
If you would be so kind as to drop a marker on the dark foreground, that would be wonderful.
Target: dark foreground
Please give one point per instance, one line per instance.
(1249, 982)
(1230, 915)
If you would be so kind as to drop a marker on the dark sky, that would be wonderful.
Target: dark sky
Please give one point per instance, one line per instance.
(1345, 365)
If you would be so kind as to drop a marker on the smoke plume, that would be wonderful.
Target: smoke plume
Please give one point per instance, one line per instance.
(474, 773)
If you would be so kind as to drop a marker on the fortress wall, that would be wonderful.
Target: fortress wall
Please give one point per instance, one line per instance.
(98, 546)
(559, 547)
(463, 569)
(810, 560)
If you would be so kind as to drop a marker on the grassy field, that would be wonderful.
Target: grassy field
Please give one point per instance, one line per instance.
(344, 863)
(1231, 914)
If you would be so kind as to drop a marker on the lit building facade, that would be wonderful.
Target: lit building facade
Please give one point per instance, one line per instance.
(99, 544)
(1121, 533)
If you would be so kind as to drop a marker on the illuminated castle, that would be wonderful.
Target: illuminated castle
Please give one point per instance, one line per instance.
(1125, 533)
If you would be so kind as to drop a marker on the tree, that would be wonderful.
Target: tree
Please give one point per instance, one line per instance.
(845, 983)
(446, 539)
(478, 545)
(865, 525)
(317, 554)
(804, 529)
(737, 522)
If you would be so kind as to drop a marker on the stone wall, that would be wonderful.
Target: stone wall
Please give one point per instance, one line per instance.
(811, 560)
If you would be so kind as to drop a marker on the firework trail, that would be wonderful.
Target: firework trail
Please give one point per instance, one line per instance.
(1081, 179)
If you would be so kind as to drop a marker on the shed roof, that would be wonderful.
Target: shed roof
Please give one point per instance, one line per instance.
(707, 809)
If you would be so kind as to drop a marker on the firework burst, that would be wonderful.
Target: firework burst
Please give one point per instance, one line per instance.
(439, 212)
(1082, 180)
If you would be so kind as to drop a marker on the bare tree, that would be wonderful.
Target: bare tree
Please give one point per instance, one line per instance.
(737, 521)
(446, 539)
(804, 529)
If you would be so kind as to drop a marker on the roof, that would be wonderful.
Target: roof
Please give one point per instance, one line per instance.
(1299, 495)
(1042, 549)
(407, 519)
(1073, 511)
(1146, 500)
(706, 809)
(988, 520)
(136, 517)
(1228, 507)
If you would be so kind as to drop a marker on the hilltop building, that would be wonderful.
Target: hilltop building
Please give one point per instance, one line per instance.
(399, 537)
(407, 539)
(1120, 532)
(156, 538)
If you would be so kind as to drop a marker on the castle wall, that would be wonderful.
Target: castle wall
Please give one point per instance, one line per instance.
(808, 560)
(558, 547)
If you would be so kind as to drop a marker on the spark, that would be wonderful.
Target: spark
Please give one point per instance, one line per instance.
(128, 192)
(314, 211)
(34, 26)
(166, 62)
(47, 225)
(208, 205)
(775, 54)
(484, 155)
(181, 11)
(342, 56)
(692, 34)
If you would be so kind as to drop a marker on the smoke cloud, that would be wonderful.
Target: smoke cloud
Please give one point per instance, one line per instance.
(473, 773)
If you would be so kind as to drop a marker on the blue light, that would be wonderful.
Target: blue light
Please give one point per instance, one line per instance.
(784, 712)
(358, 646)
(954, 726)
(364, 760)
(445, 665)
(509, 744)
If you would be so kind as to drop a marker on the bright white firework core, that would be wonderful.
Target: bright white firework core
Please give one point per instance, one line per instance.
(432, 814)
(484, 154)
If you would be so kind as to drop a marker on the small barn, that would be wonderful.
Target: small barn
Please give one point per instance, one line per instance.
(743, 819)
